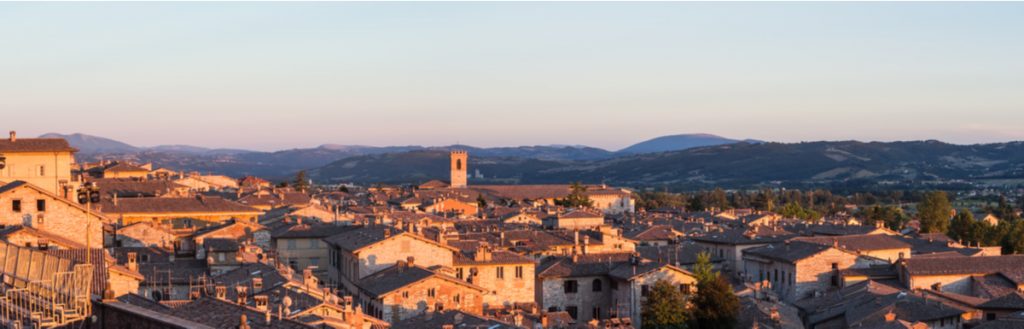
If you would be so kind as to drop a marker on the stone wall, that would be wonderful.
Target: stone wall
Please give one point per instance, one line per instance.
(60, 216)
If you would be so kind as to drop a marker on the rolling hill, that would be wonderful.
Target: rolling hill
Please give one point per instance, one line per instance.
(742, 165)
(677, 143)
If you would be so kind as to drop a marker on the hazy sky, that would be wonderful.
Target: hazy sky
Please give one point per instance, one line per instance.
(279, 75)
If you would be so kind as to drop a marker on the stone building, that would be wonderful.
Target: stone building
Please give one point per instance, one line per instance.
(301, 246)
(358, 253)
(577, 219)
(23, 203)
(405, 290)
(797, 270)
(459, 162)
(43, 162)
(962, 275)
(604, 286)
(507, 276)
(730, 244)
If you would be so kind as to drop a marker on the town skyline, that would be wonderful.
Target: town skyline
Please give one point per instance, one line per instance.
(602, 75)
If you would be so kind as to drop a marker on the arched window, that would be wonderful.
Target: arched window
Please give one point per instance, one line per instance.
(458, 164)
(596, 285)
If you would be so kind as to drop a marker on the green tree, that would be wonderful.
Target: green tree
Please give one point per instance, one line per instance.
(577, 198)
(964, 228)
(715, 306)
(480, 201)
(794, 210)
(1013, 241)
(718, 199)
(703, 269)
(301, 183)
(343, 188)
(664, 308)
(695, 203)
(934, 212)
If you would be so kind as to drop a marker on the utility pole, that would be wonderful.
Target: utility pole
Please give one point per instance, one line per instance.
(88, 194)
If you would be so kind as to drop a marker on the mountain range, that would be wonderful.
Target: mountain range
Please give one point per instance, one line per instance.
(683, 162)
(283, 163)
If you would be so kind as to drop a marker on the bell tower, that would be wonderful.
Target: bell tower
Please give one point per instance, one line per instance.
(458, 166)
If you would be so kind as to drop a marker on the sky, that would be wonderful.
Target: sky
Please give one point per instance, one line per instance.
(268, 76)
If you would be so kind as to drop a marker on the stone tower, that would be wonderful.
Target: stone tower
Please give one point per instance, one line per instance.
(458, 177)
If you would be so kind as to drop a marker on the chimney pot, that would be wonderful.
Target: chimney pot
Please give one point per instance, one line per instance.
(14, 135)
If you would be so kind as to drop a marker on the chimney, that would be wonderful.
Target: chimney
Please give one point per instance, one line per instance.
(261, 302)
(543, 319)
(133, 264)
(586, 243)
(14, 136)
(307, 277)
(221, 292)
(410, 261)
(890, 316)
(243, 323)
(242, 292)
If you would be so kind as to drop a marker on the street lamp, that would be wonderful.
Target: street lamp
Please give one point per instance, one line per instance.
(88, 194)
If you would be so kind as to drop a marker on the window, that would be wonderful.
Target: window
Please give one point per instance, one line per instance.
(220, 257)
(292, 244)
(459, 273)
(570, 286)
(456, 299)
(315, 261)
(431, 292)
(405, 294)
(314, 244)
(776, 277)
(500, 272)
(645, 290)
(596, 285)
(16, 205)
(597, 313)
(685, 288)
(572, 311)
(615, 285)
(519, 272)
(42, 170)
(40, 205)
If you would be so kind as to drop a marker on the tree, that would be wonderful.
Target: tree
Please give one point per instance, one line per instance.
(964, 228)
(695, 203)
(301, 183)
(794, 210)
(480, 201)
(934, 212)
(718, 199)
(343, 188)
(664, 308)
(577, 198)
(715, 306)
(703, 269)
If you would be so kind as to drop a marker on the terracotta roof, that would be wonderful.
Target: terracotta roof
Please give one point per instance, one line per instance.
(458, 319)
(1006, 264)
(305, 231)
(788, 252)
(35, 145)
(124, 167)
(175, 205)
(743, 236)
(859, 242)
(223, 314)
(129, 187)
(401, 275)
(1012, 301)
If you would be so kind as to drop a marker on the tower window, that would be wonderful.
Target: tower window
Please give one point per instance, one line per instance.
(458, 164)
